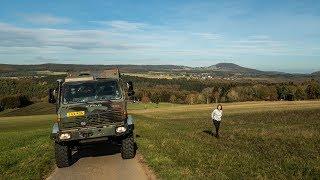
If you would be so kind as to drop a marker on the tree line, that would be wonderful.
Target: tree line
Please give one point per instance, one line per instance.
(20, 92)
(15, 93)
(208, 91)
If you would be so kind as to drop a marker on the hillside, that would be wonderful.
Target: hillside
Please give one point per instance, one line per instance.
(233, 68)
(84, 67)
(220, 69)
(41, 108)
(254, 137)
(266, 134)
(317, 73)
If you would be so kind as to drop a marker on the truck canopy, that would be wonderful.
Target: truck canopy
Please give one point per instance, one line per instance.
(93, 75)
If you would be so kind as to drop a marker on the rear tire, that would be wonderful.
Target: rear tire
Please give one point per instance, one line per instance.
(128, 147)
(63, 155)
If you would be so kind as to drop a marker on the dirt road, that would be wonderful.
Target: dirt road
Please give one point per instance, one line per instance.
(101, 161)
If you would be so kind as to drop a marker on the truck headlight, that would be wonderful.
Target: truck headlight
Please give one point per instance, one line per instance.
(121, 129)
(64, 136)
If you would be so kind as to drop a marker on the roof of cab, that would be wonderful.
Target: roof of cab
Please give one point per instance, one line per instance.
(93, 75)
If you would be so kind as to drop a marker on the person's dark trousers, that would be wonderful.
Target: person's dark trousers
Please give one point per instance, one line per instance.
(217, 126)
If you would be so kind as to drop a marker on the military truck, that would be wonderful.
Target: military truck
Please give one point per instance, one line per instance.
(91, 107)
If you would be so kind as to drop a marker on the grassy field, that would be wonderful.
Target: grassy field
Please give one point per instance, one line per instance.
(258, 139)
(141, 106)
(41, 108)
(26, 151)
(25, 148)
(44, 108)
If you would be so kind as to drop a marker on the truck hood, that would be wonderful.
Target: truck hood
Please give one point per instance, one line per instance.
(99, 112)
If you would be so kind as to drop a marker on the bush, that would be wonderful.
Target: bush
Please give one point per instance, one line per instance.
(313, 90)
(11, 102)
(24, 101)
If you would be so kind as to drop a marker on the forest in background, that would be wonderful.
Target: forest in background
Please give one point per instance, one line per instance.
(23, 91)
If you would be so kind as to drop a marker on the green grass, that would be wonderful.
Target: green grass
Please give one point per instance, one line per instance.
(41, 108)
(142, 106)
(258, 140)
(25, 147)
(271, 144)
(44, 108)
(26, 150)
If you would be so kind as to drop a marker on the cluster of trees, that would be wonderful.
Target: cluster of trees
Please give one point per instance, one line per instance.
(289, 91)
(199, 91)
(34, 88)
(14, 92)
(16, 101)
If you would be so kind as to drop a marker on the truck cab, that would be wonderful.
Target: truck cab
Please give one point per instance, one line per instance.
(91, 107)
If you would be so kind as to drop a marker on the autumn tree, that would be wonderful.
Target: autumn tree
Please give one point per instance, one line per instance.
(145, 99)
(191, 99)
(207, 92)
(173, 99)
(313, 90)
(201, 99)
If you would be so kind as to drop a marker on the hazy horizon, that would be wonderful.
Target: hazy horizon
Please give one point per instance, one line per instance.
(293, 71)
(265, 35)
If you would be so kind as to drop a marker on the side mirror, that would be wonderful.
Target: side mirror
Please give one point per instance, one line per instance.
(51, 96)
(130, 89)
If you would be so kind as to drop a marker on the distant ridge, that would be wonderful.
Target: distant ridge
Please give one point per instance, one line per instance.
(84, 67)
(229, 66)
(232, 67)
(317, 73)
(220, 69)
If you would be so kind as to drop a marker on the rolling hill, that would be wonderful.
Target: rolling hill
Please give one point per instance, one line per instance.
(231, 67)
(317, 73)
(41, 108)
(84, 67)
(220, 69)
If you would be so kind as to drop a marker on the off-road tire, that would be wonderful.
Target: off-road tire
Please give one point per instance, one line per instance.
(128, 147)
(63, 155)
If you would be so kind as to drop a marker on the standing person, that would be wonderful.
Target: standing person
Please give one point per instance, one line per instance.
(216, 118)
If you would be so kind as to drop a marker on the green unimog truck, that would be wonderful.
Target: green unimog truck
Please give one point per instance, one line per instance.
(91, 107)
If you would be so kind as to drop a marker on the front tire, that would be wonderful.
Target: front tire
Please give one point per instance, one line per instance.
(128, 148)
(63, 155)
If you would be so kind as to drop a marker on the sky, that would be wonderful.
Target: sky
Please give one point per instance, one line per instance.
(266, 35)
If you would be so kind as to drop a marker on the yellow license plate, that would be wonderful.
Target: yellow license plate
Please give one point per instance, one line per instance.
(77, 113)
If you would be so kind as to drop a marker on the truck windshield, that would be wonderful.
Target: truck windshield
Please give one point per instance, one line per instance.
(80, 92)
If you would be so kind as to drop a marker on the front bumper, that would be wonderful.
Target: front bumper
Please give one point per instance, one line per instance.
(92, 133)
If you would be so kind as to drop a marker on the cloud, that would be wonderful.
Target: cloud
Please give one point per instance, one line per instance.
(161, 43)
(122, 25)
(11, 36)
(45, 19)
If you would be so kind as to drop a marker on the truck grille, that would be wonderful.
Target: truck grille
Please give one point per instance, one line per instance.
(94, 119)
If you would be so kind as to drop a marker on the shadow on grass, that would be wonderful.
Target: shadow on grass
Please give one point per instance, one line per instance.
(96, 150)
(208, 132)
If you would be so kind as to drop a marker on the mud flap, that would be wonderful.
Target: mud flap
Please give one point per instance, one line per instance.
(55, 131)
(130, 122)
